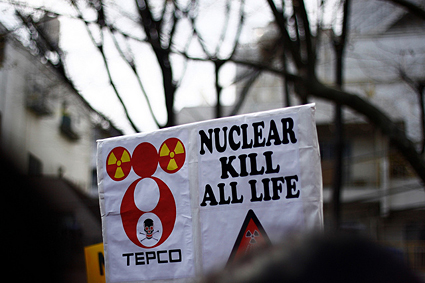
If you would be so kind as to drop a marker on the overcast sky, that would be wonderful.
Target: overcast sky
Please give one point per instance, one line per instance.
(85, 66)
(197, 87)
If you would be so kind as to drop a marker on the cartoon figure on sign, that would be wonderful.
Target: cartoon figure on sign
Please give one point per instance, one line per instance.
(144, 161)
(149, 230)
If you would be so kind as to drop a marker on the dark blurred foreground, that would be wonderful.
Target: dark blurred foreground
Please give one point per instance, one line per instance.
(321, 258)
(37, 247)
(38, 241)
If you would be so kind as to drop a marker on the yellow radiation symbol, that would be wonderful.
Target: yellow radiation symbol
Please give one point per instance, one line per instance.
(118, 164)
(172, 155)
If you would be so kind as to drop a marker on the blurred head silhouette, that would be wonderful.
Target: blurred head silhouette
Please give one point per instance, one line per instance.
(325, 258)
(33, 246)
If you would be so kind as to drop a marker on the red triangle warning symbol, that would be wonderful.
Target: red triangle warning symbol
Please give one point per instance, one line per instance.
(251, 236)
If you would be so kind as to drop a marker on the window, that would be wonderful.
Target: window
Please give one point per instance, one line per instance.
(66, 127)
(414, 234)
(35, 166)
(37, 97)
(94, 188)
(327, 155)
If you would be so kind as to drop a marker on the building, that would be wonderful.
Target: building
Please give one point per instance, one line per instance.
(46, 127)
(49, 132)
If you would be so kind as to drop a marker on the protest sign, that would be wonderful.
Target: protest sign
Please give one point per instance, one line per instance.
(95, 263)
(183, 201)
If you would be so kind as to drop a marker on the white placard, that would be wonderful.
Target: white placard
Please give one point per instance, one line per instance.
(183, 201)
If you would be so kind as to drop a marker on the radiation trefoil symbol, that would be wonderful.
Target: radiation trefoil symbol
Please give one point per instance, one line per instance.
(118, 164)
(144, 162)
(171, 155)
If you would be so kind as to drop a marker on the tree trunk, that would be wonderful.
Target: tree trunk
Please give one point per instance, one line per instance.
(169, 87)
(153, 30)
(420, 91)
(218, 89)
(338, 178)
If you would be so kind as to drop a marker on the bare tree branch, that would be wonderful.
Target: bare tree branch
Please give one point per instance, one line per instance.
(100, 47)
(411, 7)
(152, 30)
(418, 86)
(133, 67)
(396, 135)
(288, 44)
(243, 94)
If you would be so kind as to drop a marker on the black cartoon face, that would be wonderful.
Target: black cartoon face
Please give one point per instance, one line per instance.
(149, 230)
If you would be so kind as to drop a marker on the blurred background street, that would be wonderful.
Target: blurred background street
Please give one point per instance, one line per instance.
(73, 72)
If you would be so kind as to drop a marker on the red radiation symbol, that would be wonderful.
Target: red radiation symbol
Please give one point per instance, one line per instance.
(165, 210)
(172, 155)
(118, 163)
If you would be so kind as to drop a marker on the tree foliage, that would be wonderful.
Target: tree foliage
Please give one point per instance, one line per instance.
(173, 29)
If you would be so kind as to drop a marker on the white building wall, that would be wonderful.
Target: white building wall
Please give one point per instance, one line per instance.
(23, 132)
(13, 107)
